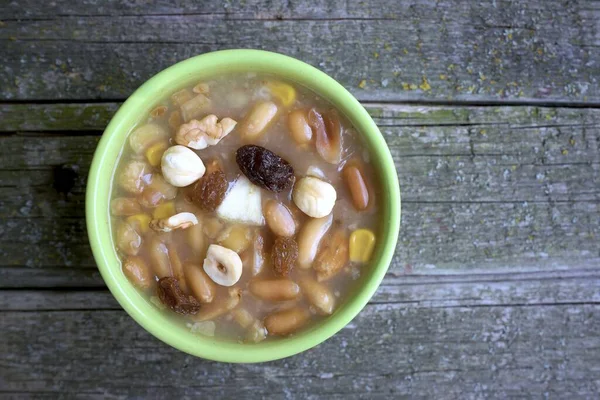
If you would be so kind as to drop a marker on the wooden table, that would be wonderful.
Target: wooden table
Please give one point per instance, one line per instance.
(492, 112)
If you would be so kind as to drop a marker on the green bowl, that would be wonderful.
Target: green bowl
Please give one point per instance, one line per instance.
(136, 109)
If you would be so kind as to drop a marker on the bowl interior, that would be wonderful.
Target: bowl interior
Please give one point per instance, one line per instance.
(136, 109)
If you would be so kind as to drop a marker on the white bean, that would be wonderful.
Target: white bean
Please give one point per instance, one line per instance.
(309, 238)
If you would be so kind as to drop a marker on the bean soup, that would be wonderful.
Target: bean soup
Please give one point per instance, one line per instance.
(246, 206)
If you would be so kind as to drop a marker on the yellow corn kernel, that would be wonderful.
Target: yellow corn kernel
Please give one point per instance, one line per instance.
(165, 210)
(362, 243)
(139, 222)
(283, 92)
(155, 152)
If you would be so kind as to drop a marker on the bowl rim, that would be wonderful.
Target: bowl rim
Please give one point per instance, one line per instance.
(98, 217)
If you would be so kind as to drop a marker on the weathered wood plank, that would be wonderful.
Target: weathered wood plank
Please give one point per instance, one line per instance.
(435, 237)
(73, 117)
(465, 148)
(259, 9)
(414, 290)
(48, 300)
(448, 352)
(59, 277)
(436, 50)
(56, 117)
(483, 187)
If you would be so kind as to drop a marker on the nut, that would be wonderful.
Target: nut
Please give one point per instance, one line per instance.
(333, 255)
(328, 134)
(146, 135)
(254, 257)
(314, 197)
(156, 192)
(200, 284)
(182, 220)
(196, 240)
(137, 271)
(177, 266)
(218, 308)
(274, 289)
(299, 128)
(279, 219)
(159, 257)
(128, 240)
(309, 238)
(181, 166)
(286, 321)
(355, 180)
(134, 176)
(124, 206)
(194, 107)
(222, 265)
(318, 295)
(257, 120)
(206, 132)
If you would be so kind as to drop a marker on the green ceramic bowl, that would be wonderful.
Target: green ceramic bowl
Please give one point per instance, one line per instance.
(137, 107)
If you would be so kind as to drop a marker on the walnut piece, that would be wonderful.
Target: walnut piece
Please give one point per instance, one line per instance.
(199, 135)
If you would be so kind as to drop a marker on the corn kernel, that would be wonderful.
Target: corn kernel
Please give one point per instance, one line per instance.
(164, 210)
(139, 222)
(362, 243)
(155, 152)
(283, 92)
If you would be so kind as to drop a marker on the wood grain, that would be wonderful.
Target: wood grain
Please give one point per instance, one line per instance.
(492, 114)
(412, 290)
(537, 51)
(483, 188)
(506, 351)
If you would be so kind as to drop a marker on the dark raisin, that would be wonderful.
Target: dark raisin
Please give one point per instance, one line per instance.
(170, 294)
(265, 168)
(284, 255)
(209, 191)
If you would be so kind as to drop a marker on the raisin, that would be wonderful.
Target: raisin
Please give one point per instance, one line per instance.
(171, 295)
(209, 191)
(265, 168)
(284, 255)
